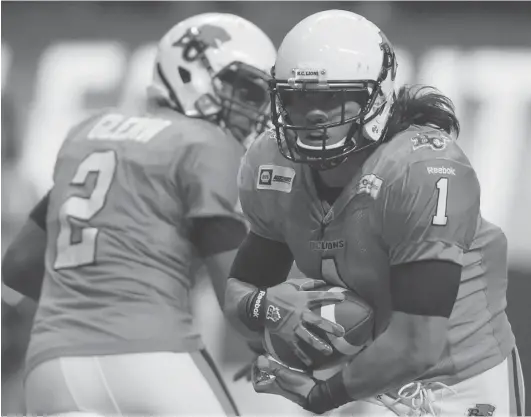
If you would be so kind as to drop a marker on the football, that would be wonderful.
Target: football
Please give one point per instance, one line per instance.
(356, 317)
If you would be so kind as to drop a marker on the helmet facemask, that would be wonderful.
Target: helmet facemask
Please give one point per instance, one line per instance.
(238, 99)
(242, 94)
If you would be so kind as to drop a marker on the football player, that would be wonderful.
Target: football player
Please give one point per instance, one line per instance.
(365, 187)
(135, 199)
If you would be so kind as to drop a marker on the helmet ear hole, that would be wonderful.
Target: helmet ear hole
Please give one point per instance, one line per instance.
(186, 77)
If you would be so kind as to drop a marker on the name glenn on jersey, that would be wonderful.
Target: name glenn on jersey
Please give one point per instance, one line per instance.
(119, 127)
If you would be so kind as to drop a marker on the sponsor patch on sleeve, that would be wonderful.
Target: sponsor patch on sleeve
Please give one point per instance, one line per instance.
(274, 177)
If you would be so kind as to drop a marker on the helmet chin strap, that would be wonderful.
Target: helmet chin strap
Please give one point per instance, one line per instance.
(332, 162)
(174, 101)
(301, 144)
(327, 165)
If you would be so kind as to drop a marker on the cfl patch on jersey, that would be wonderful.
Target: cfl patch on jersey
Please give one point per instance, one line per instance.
(369, 184)
(276, 178)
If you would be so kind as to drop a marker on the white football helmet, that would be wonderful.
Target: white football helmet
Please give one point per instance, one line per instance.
(216, 66)
(333, 56)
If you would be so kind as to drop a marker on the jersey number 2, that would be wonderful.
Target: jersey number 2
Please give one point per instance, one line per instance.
(77, 250)
(440, 218)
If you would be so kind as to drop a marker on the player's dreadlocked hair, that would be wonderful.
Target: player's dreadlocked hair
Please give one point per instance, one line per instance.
(422, 105)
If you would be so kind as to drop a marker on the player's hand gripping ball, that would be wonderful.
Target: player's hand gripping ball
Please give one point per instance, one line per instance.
(287, 312)
(353, 314)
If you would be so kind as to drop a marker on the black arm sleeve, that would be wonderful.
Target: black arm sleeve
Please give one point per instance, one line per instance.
(425, 288)
(39, 212)
(262, 262)
(213, 235)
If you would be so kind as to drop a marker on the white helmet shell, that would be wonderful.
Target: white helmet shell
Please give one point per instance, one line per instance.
(348, 49)
(229, 38)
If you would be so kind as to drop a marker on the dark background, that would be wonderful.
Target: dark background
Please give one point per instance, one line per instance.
(61, 60)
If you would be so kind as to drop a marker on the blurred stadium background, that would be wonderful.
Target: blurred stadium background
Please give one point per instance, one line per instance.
(61, 61)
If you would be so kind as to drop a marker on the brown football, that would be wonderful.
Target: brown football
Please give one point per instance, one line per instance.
(356, 317)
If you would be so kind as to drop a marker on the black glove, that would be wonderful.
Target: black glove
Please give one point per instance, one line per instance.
(318, 397)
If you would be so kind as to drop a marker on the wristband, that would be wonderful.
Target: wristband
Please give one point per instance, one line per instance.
(257, 307)
(251, 310)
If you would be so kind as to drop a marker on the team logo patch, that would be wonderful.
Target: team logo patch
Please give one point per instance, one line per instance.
(369, 184)
(481, 410)
(273, 313)
(436, 140)
(273, 177)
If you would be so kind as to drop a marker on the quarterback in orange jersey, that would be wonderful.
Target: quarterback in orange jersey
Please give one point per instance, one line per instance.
(365, 187)
(135, 199)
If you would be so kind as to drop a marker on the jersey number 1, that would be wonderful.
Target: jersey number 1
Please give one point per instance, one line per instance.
(76, 250)
(440, 218)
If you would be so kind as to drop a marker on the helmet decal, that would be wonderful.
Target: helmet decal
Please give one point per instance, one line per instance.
(214, 66)
(389, 63)
(196, 40)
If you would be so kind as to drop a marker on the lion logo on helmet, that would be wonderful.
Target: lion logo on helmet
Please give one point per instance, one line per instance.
(390, 63)
(213, 36)
(198, 39)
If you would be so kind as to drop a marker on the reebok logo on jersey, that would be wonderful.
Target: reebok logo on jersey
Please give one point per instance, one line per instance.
(441, 170)
(273, 177)
(369, 184)
(322, 245)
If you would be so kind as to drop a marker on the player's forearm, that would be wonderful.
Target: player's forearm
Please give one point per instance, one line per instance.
(407, 349)
(260, 263)
(23, 262)
(424, 293)
(17, 317)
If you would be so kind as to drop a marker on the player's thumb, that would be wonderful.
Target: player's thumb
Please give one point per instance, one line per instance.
(323, 298)
(308, 284)
(263, 374)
